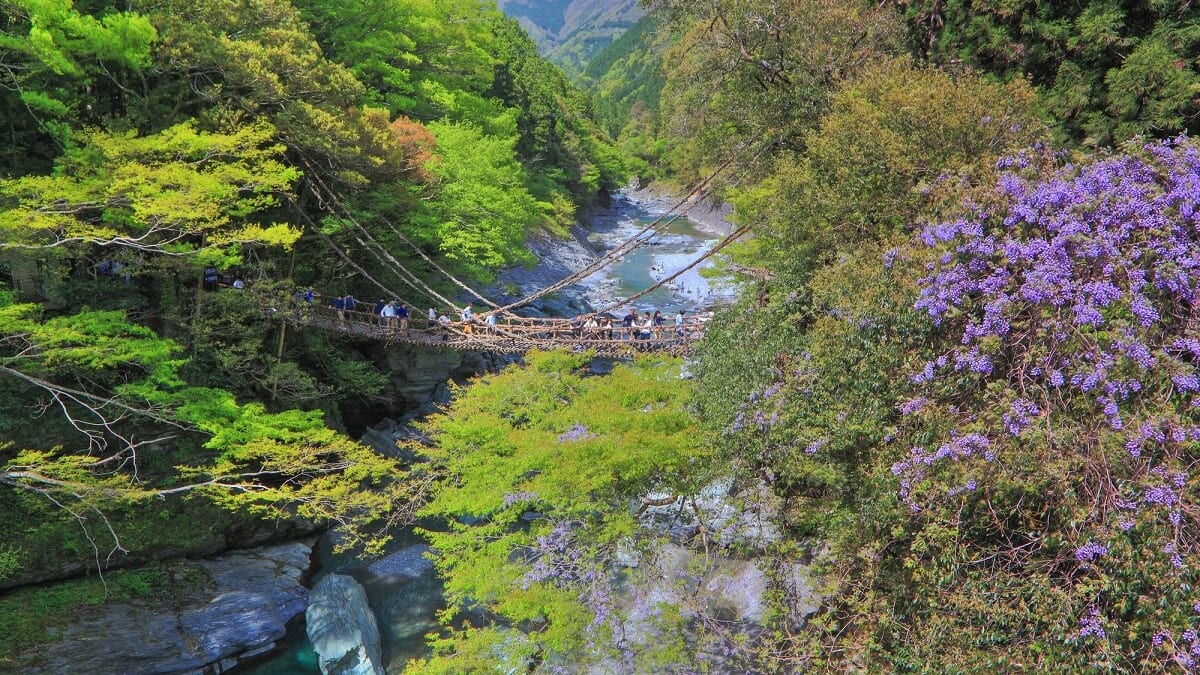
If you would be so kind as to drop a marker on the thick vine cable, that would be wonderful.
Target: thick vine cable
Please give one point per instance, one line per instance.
(729, 239)
(331, 196)
(347, 259)
(630, 244)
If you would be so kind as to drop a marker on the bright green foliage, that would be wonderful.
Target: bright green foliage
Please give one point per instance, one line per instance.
(65, 42)
(177, 191)
(421, 58)
(117, 381)
(576, 450)
(1107, 69)
(482, 210)
(52, 57)
(893, 140)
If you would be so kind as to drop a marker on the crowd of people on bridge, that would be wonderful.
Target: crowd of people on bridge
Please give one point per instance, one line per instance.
(395, 315)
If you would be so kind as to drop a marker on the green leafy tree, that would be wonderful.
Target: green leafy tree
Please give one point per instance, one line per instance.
(58, 65)
(175, 192)
(119, 395)
(893, 140)
(761, 72)
(482, 210)
(576, 451)
(1107, 69)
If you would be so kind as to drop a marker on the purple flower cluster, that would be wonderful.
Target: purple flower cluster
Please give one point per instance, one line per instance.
(577, 432)
(1090, 551)
(519, 498)
(913, 469)
(1089, 625)
(761, 410)
(1077, 290)
(561, 558)
(1103, 256)
(1018, 416)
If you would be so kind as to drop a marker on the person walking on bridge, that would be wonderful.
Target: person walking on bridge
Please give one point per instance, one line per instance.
(378, 312)
(468, 318)
(628, 321)
(401, 314)
(431, 316)
(387, 316)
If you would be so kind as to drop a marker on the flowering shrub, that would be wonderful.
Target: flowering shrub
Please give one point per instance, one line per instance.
(1072, 299)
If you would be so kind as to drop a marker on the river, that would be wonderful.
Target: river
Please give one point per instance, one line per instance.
(401, 587)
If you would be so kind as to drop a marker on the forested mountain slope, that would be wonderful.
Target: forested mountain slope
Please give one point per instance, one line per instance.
(155, 153)
(571, 32)
(963, 368)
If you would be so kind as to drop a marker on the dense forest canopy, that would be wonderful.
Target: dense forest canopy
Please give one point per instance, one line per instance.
(958, 385)
(290, 145)
(963, 357)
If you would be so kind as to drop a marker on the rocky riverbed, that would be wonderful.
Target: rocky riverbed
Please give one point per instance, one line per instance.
(682, 242)
(238, 606)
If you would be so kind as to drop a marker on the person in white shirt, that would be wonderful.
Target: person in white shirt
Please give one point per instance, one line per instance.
(432, 316)
(468, 315)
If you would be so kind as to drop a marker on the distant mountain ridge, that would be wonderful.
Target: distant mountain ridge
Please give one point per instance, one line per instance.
(571, 32)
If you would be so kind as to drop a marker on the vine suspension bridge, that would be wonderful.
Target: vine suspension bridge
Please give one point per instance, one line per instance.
(509, 335)
(508, 332)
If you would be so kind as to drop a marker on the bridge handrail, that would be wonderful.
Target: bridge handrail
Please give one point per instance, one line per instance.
(510, 332)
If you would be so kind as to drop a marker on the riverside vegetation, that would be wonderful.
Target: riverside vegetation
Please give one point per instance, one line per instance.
(963, 364)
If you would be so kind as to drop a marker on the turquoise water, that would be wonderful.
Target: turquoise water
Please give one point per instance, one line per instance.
(404, 596)
(681, 243)
(297, 657)
(405, 605)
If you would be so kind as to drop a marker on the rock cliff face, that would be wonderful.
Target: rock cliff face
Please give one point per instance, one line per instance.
(342, 628)
(244, 612)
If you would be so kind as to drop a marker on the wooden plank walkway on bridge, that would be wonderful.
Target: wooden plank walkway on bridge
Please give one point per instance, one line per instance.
(510, 335)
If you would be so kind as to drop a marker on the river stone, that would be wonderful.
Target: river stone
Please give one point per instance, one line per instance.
(342, 628)
(253, 594)
(409, 563)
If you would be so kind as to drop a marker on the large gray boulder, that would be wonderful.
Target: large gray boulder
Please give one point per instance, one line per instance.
(342, 628)
(242, 612)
